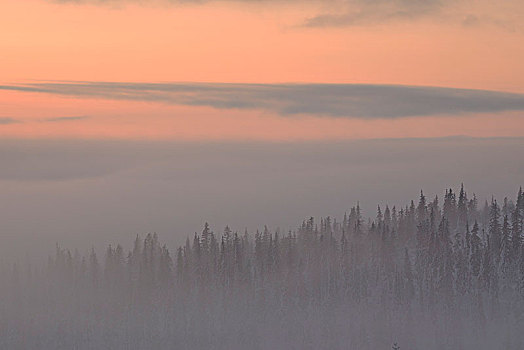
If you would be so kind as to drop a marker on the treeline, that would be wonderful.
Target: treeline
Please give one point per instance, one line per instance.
(427, 275)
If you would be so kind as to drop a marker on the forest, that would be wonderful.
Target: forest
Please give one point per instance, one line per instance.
(437, 273)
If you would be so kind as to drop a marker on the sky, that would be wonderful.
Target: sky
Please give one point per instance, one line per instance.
(106, 102)
(378, 45)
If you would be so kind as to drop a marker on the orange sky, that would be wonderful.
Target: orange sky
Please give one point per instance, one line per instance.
(259, 43)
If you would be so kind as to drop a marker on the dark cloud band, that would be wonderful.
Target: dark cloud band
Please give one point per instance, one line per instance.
(323, 100)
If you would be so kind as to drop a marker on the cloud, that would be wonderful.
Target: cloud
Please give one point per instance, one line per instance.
(344, 13)
(467, 13)
(6, 121)
(359, 12)
(338, 12)
(66, 119)
(361, 101)
(474, 20)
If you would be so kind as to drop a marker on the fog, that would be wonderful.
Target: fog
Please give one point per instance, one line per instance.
(420, 276)
(84, 193)
(332, 245)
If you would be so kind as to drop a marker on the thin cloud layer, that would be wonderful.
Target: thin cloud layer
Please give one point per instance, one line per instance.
(354, 11)
(7, 120)
(322, 100)
(66, 119)
(343, 13)
(358, 12)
